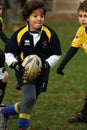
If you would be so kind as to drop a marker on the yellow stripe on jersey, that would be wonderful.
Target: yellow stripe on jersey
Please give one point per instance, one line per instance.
(22, 56)
(47, 32)
(23, 115)
(20, 34)
(80, 39)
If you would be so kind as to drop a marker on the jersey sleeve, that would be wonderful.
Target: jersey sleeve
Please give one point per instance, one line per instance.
(55, 47)
(12, 46)
(55, 50)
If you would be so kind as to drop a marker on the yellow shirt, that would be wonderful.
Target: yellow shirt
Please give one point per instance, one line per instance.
(80, 39)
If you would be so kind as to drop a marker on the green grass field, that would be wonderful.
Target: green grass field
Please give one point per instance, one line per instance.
(65, 95)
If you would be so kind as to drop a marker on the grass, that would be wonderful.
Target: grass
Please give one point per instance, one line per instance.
(65, 95)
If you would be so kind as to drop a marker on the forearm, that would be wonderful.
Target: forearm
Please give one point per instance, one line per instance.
(4, 37)
(10, 58)
(71, 52)
(52, 60)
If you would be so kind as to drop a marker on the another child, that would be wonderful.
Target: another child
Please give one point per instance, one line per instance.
(80, 41)
(33, 38)
(3, 73)
(3, 76)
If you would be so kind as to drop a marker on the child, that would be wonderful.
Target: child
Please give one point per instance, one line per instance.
(3, 73)
(80, 41)
(33, 38)
(3, 76)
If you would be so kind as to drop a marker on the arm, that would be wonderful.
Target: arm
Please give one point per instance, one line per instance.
(12, 62)
(2, 64)
(11, 52)
(54, 51)
(50, 62)
(4, 37)
(71, 52)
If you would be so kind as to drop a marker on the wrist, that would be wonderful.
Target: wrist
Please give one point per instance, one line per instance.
(13, 64)
(46, 65)
(18, 67)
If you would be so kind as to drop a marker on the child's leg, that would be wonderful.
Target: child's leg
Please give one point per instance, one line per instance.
(26, 106)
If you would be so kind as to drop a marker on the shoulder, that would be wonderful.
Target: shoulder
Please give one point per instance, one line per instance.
(81, 30)
(49, 31)
(20, 32)
(47, 28)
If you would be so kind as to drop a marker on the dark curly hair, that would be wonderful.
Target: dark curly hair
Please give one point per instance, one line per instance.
(82, 6)
(32, 5)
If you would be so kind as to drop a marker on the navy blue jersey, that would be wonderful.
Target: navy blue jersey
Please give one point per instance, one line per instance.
(21, 44)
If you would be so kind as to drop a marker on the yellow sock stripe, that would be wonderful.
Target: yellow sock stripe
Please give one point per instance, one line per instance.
(23, 115)
(25, 81)
(16, 107)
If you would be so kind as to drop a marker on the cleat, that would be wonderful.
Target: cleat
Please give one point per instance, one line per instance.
(3, 121)
(78, 118)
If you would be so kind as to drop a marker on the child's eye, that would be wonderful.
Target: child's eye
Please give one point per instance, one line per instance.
(35, 15)
(80, 15)
(86, 16)
(42, 16)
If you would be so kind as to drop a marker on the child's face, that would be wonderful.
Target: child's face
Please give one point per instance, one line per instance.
(36, 19)
(1, 10)
(83, 18)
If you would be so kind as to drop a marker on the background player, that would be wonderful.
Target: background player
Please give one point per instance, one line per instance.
(3, 72)
(80, 41)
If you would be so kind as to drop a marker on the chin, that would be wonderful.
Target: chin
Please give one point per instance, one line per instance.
(84, 26)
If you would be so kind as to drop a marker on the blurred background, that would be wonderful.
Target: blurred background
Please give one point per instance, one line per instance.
(13, 7)
(65, 94)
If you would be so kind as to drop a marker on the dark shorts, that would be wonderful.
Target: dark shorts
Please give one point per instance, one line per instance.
(40, 82)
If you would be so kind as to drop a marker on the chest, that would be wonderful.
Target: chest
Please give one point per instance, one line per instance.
(32, 43)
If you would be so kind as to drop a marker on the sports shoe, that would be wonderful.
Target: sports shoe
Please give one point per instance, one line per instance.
(78, 118)
(3, 121)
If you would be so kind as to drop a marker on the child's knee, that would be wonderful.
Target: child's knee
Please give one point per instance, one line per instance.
(5, 79)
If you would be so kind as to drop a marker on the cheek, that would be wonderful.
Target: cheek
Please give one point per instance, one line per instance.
(80, 19)
(43, 19)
